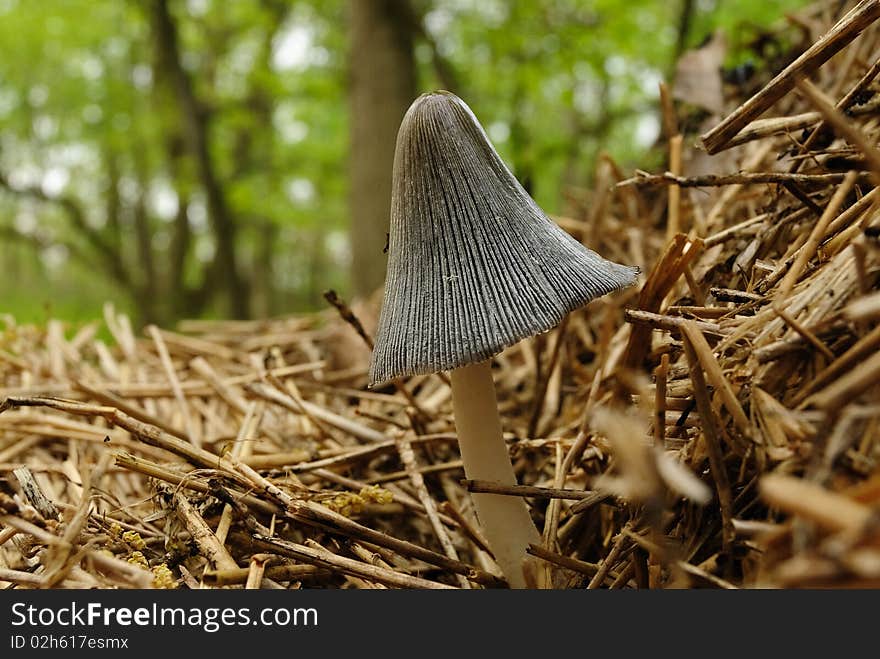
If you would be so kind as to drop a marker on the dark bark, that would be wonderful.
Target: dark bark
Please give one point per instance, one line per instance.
(264, 275)
(114, 204)
(443, 68)
(147, 282)
(382, 85)
(317, 282)
(180, 242)
(196, 130)
(685, 18)
(176, 287)
(519, 138)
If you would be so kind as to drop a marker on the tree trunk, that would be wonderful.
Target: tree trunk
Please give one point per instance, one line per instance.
(195, 125)
(267, 240)
(147, 277)
(685, 18)
(382, 85)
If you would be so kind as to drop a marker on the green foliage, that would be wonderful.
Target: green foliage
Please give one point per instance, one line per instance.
(560, 81)
(88, 114)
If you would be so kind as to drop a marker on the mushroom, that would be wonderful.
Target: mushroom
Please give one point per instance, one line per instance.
(474, 266)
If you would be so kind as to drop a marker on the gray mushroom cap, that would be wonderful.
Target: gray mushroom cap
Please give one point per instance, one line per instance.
(474, 265)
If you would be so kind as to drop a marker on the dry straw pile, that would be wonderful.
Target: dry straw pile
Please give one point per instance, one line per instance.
(716, 427)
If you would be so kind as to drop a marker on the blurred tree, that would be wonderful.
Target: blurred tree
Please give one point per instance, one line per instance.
(163, 147)
(224, 270)
(381, 87)
(188, 157)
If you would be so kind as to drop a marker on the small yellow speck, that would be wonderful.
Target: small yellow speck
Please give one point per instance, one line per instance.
(163, 577)
(137, 558)
(134, 539)
(376, 494)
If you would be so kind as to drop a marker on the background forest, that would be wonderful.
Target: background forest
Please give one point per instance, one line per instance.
(188, 158)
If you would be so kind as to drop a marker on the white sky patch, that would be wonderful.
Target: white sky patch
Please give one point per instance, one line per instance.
(197, 7)
(55, 256)
(204, 249)
(615, 65)
(197, 215)
(494, 11)
(481, 53)
(491, 12)
(74, 154)
(230, 83)
(289, 268)
(92, 113)
(233, 72)
(319, 56)
(585, 97)
(582, 70)
(338, 246)
(38, 95)
(290, 48)
(45, 127)
(163, 201)
(91, 67)
(243, 56)
(142, 76)
(647, 130)
(292, 131)
(54, 181)
(8, 101)
(649, 80)
(26, 221)
(25, 175)
(437, 21)
(300, 191)
(499, 131)
(553, 86)
(646, 20)
(115, 47)
(128, 189)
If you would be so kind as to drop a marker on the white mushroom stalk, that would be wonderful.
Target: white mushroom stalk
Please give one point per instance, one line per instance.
(474, 266)
(506, 522)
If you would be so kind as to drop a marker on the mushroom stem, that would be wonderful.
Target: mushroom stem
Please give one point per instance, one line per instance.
(506, 522)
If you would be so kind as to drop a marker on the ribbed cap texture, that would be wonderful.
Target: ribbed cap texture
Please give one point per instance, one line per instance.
(474, 265)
